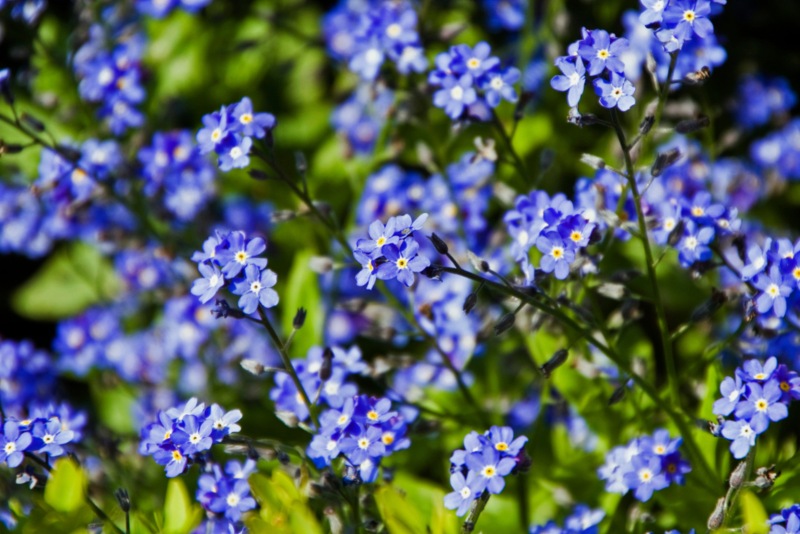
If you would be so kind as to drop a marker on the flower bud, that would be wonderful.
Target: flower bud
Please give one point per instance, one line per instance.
(664, 160)
(34, 123)
(257, 174)
(676, 234)
(765, 477)
(123, 499)
(708, 308)
(439, 244)
(299, 318)
(717, 516)
(252, 366)
(737, 475)
(326, 369)
(556, 361)
(505, 323)
(692, 125)
(300, 162)
(470, 302)
(646, 124)
(617, 395)
(5, 86)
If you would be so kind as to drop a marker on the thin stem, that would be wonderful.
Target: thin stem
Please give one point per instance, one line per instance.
(287, 362)
(694, 451)
(477, 507)
(517, 160)
(661, 316)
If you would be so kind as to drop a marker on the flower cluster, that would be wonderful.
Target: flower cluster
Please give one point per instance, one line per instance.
(760, 99)
(231, 257)
(184, 433)
(482, 465)
(360, 118)
(47, 430)
(226, 495)
(313, 371)
(391, 251)
(363, 430)
(27, 10)
(786, 522)
(173, 168)
(756, 394)
(582, 520)
(471, 78)
(645, 465)
(557, 229)
(229, 132)
(774, 271)
(779, 152)
(505, 14)
(599, 56)
(112, 77)
(160, 8)
(364, 34)
(676, 21)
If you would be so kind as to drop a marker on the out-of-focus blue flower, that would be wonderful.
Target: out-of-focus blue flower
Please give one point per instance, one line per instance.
(571, 80)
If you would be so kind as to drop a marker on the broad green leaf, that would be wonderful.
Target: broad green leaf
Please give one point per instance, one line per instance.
(74, 278)
(180, 514)
(398, 514)
(283, 508)
(66, 488)
(755, 517)
(115, 408)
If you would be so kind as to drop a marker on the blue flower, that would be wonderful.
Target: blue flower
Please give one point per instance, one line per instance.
(256, 289)
(194, 435)
(233, 153)
(601, 52)
(215, 132)
(742, 435)
(455, 95)
(240, 253)
(251, 124)
(231, 499)
(618, 93)
(489, 468)
(212, 281)
(556, 256)
(402, 262)
(362, 444)
(367, 275)
(464, 494)
(732, 389)
(572, 80)
(473, 61)
(499, 85)
(654, 11)
(13, 443)
(775, 289)
(686, 18)
(50, 436)
(646, 477)
(762, 405)
(694, 245)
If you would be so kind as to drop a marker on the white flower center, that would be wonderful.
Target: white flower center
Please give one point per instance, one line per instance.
(236, 152)
(497, 83)
(394, 30)
(232, 500)
(457, 93)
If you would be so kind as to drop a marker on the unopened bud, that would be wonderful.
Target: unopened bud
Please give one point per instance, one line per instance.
(505, 322)
(663, 161)
(556, 361)
(5, 86)
(617, 395)
(11, 148)
(326, 369)
(283, 458)
(717, 516)
(299, 318)
(737, 476)
(439, 244)
(280, 216)
(320, 264)
(252, 366)
(485, 266)
(470, 302)
(676, 234)
(692, 125)
(593, 161)
(432, 271)
(765, 477)
(646, 124)
(123, 499)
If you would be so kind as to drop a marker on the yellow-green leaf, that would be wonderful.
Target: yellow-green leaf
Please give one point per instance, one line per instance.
(66, 488)
(755, 517)
(180, 515)
(394, 510)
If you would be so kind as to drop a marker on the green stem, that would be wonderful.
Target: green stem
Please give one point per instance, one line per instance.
(287, 362)
(708, 475)
(517, 160)
(661, 316)
(477, 507)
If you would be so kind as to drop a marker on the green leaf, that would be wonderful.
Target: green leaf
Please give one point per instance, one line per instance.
(302, 290)
(66, 488)
(755, 517)
(74, 278)
(283, 506)
(115, 408)
(180, 515)
(398, 515)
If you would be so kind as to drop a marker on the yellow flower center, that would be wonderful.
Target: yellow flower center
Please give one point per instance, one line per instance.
(502, 446)
(402, 263)
(246, 118)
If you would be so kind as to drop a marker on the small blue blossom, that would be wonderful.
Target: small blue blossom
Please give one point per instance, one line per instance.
(205, 288)
(256, 288)
(617, 93)
(602, 52)
(13, 443)
(571, 80)
(464, 492)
